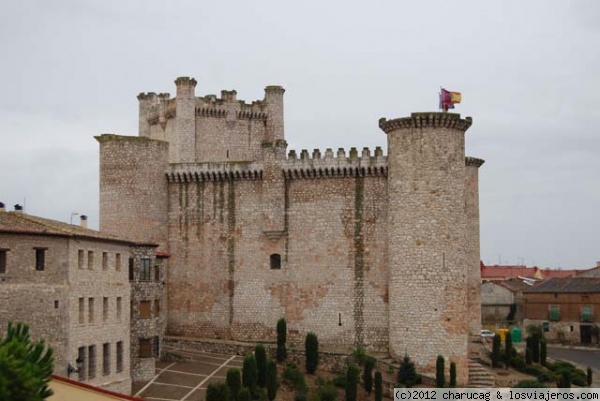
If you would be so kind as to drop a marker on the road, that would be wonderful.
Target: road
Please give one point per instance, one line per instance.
(585, 357)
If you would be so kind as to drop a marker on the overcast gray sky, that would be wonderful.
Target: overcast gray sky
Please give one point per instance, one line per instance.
(529, 72)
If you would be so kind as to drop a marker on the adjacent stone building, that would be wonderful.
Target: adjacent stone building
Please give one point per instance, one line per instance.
(361, 248)
(71, 285)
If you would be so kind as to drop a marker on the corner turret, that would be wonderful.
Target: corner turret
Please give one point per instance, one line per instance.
(274, 101)
(185, 117)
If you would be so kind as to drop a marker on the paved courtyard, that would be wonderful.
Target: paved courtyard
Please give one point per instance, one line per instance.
(187, 381)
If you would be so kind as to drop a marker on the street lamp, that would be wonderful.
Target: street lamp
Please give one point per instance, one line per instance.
(71, 369)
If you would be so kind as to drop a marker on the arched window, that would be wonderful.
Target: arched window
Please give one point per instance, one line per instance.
(275, 261)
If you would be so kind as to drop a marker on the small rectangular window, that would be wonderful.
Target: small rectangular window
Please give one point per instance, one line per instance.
(145, 274)
(157, 273)
(80, 258)
(545, 327)
(119, 356)
(587, 314)
(145, 310)
(56, 304)
(106, 359)
(104, 309)
(81, 310)
(90, 310)
(40, 259)
(275, 261)
(554, 313)
(118, 262)
(131, 275)
(156, 346)
(3, 260)
(90, 260)
(81, 357)
(145, 348)
(104, 260)
(119, 308)
(92, 361)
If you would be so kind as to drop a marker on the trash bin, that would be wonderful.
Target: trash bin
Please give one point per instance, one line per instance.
(502, 333)
(516, 335)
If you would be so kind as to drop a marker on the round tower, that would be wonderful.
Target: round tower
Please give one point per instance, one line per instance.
(426, 239)
(133, 188)
(274, 100)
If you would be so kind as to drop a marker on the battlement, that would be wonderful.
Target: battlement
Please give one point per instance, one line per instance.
(195, 172)
(473, 161)
(340, 165)
(426, 120)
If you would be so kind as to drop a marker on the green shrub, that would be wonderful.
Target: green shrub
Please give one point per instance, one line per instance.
(352, 376)
(565, 379)
(295, 378)
(452, 374)
(528, 356)
(359, 355)
(535, 349)
(311, 347)
(234, 382)
(300, 397)
(327, 392)
(217, 392)
(368, 374)
(244, 395)
(407, 373)
(271, 380)
(440, 375)
(339, 381)
(250, 373)
(529, 384)
(261, 364)
(543, 352)
(378, 386)
(281, 339)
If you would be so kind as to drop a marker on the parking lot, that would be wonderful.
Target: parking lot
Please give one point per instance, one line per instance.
(187, 381)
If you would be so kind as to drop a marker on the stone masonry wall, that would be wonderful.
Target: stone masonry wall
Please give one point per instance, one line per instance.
(472, 244)
(332, 279)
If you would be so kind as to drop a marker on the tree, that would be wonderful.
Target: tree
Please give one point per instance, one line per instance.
(407, 373)
(25, 366)
(244, 395)
(589, 376)
(217, 392)
(378, 386)
(535, 349)
(352, 373)
(508, 350)
(440, 375)
(281, 339)
(311, 346)
(250, 373)
(565, 379)
(234, 382)
(452, 374)
(368, 374)
(272, 383)
(496, 351)
(261, 363)
(543, 352)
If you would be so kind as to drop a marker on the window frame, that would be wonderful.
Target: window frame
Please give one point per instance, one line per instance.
(40, 258)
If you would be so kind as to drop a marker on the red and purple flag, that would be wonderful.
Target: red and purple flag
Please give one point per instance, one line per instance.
(449, 99)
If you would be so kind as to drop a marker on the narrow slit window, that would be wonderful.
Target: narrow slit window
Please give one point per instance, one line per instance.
(40, 259)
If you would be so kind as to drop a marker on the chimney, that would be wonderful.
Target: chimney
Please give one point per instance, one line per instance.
(2, 208)
(18, 208)
(83, 221)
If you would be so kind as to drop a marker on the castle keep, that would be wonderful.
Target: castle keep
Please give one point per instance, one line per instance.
(361, 248)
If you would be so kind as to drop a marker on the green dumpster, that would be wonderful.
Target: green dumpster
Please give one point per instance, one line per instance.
(516, 335)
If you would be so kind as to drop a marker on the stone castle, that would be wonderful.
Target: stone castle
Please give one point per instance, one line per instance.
(361, 248)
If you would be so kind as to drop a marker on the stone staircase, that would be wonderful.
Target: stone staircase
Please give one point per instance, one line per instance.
(479, 376)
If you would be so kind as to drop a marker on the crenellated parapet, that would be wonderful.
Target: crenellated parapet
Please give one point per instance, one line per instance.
(198, 172)
(327, 165)
(473, 161)
(426, 120)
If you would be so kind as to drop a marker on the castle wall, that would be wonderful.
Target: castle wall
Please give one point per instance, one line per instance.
(332, 261)
(133, 190)
(426, 234)
(472, 244)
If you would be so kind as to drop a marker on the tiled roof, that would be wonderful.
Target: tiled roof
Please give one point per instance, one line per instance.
(557, 273)
(506, 271)
(21, 223)
(570, 284)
